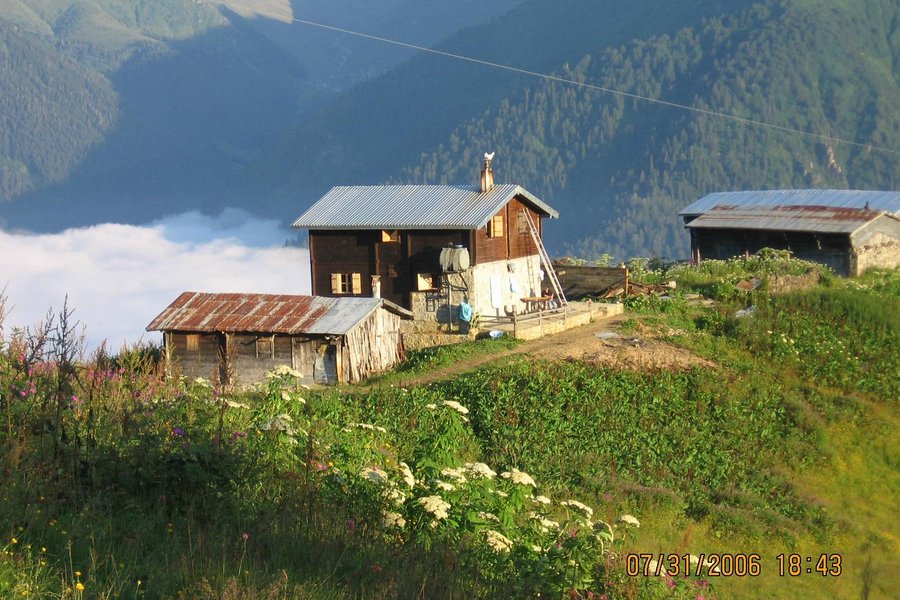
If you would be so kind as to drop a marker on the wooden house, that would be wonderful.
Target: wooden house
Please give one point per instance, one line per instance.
(389, 241)
(237, 338)
(849, 231)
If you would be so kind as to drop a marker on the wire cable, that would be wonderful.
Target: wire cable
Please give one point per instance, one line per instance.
(558, 79)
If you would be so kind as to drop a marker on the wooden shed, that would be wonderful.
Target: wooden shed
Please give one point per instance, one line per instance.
(237, 338)
(848, 230)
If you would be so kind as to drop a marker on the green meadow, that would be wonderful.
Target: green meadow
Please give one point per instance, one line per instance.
(523, 478)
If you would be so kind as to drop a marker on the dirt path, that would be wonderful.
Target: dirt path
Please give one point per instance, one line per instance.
(630, 351)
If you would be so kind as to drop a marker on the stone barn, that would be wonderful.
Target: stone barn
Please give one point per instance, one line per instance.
(849, 231)
(237, 338)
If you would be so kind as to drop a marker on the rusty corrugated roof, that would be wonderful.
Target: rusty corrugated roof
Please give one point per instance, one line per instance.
(413, 207)
(265, 313)
(885, 201)
(818, 219)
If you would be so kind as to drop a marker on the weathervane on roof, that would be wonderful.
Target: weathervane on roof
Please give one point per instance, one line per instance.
(487, 174)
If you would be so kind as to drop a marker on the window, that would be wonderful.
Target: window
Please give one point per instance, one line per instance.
(390, 237)
(346, 283)
(495, 227)
(427, 282)
(265, 347)
(193, 342)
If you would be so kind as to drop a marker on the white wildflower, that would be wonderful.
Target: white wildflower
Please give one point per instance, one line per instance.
(582, 507)
(396, 496)
(540, 499)
(479, 469)
(456, 406)
(544, 523)
(497, 541)
(501, 493)
(407, 474)
(202, 383)
(393, 519)
(518, 477)
(488, 516)
(431, 406)
(233, 404)
(435, 505)
(536, 548)
(284, 370)
(280, 422)
(374, 474)
(443, 485)
(457, 474)
(287, 396)
(630, 520)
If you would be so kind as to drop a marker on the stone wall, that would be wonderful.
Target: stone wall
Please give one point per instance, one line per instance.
(881, 250)
(513, 279)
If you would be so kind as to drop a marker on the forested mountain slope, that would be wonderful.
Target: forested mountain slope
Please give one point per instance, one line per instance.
(129, 110)
(618, 168)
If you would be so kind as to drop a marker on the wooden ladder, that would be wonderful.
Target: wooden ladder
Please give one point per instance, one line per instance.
(545, 259)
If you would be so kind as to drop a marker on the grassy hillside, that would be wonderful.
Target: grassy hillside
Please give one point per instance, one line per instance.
(619, 169)
(120, 483)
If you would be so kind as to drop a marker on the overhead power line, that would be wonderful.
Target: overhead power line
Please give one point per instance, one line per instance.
(572, 82)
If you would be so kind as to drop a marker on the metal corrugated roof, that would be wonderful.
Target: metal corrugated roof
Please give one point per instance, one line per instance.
(264, 313)
(881, 201)
(819, 219)
(413, 207)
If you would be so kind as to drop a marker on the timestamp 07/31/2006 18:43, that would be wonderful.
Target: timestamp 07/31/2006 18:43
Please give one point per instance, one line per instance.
(731, 565)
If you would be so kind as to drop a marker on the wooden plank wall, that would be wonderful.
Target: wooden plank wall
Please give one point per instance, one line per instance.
(374, 346)
(583, 281)
(342, 252)
(829, 249)
(520, 242)
(516, 241)
(248, 368)
(203, 362)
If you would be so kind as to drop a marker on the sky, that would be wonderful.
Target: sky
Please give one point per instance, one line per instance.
(119, 277)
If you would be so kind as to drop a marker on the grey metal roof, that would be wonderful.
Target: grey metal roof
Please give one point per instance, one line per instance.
(882, 201)
(267, 313)
(413, 207)
(816, 219)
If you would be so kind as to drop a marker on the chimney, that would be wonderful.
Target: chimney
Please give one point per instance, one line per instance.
(487, 174)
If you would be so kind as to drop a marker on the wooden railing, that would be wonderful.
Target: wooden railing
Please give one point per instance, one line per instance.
(529, 319)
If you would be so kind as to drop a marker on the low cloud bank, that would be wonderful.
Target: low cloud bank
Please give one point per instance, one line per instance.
(119, 277)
